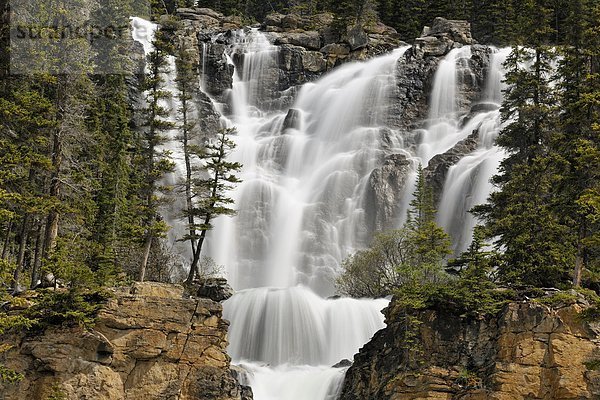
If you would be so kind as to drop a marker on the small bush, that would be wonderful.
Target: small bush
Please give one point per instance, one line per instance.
(558, 299)
(72, 307)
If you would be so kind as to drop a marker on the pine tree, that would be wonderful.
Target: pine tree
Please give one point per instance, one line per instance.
(187, 135)
(154, 161)
(577, 145)
(210, 192)
(431, 243)
(520, 215)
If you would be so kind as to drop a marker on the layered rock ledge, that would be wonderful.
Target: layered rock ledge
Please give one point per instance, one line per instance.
(528, 351)
(148, 343)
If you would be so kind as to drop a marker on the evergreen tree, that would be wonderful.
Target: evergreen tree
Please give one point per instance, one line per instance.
(520, 215)
(210, 192)
(432, 244)
(154, 161)
(188, 134)
(577, 144)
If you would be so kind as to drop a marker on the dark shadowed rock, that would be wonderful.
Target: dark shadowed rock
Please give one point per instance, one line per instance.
(526, 351)
(384, 192)
(437, 169)
(292, 120)
(216, 289)
(356, 38)
(342, 364)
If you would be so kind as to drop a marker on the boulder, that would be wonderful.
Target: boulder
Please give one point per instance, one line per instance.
(336, 49)
(457, 31)
(433, 47)
(313, 61)
(356, 38)
(214, 288)
(308, 39)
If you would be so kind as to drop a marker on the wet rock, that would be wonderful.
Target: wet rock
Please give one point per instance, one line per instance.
(384, 192)
(292, 120)
(483, 107)
(219, 73)
(356, 38)
(437, 169)
(342, 364)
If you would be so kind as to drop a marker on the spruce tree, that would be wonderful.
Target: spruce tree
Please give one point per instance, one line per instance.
(577, 144)
(520, 215)
(210, 192)
(154, 161)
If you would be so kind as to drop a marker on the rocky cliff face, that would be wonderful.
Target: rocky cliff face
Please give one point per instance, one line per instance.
(149, 343)
(528, 351)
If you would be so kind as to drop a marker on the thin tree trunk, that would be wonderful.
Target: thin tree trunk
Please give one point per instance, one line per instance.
(580, 256)
(21, 252)
(195, 261)
(7, 240)
(145, 257)
(37, 257)
(55, 186)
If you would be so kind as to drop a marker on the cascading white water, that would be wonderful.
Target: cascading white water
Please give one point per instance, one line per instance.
(444, 129)
(299, 203)
(468, 181)
(301, 206)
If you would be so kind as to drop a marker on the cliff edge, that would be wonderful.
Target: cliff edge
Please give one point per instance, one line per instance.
(148, 343)
(528, 351)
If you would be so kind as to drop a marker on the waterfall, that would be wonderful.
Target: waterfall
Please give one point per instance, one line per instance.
(468, 181)
(302, 201)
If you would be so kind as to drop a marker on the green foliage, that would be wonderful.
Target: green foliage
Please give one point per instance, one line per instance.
(68, 307)
(592, 365)
(469, 379)
(210, 192)
(57, 393)
(9, 376)
(400, 259)
(558, 299)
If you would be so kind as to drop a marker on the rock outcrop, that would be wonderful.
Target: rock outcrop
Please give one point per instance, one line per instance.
(528, 351)
(437, 169)
(148, 343)
(384, 192)
(307, 47)
(416, 70)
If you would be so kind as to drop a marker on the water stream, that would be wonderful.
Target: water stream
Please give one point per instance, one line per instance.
(301, 205)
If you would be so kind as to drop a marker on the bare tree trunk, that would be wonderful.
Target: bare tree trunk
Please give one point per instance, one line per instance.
(21, 252)
(6, 240)
(145, 257)
(37, 258)
(580, 256)
(54, 192)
